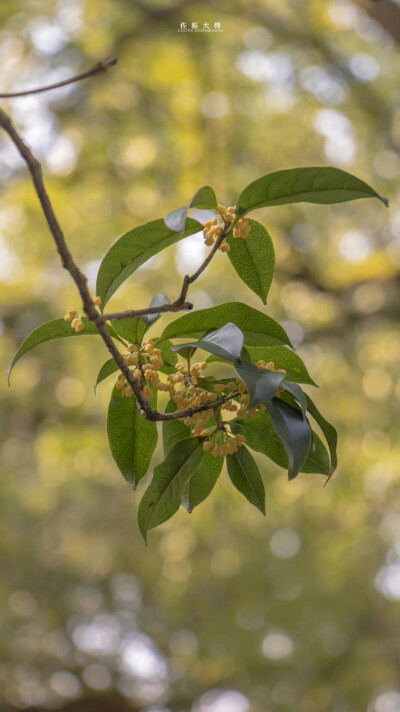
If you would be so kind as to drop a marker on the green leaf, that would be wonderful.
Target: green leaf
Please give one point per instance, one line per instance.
(227, 343)
(107, 369)
(131, 437)
(164, 494)
(258, 328)
(297, 393)
(294, 431)
(132, 250)
(304, 185)
(329, 432)
(132, 329)
(173, 430)
(254, 259)
(51, 330)
(203, 199)
(245, 475)
(282, 357)
(202, 482)
(261, 385)
(261, 437)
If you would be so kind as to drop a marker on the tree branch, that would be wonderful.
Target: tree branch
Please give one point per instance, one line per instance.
(97, 68)
(130, 313)
(80, 279)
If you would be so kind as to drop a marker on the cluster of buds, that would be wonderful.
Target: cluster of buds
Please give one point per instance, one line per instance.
(77, 321)
(223, 443)
(241, 229)
(212, 231)
(214, 228)
(190, 395)
(228, 214)
(186, 391)
(146, 361)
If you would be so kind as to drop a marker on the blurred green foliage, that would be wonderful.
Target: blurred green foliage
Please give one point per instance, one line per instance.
(223, 611)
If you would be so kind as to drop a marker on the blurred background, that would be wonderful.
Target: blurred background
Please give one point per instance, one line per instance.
(224, 611)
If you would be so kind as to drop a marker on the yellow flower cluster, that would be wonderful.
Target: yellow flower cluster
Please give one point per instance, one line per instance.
(213, 228)
(226, 446)
(75, 320)
(241, 229)
(147, 361)
(186, 392)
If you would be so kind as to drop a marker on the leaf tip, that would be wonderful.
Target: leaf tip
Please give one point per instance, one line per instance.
(143, 532)
(384, 200)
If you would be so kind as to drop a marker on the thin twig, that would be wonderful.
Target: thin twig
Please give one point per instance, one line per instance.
(97, 68)
(220, 424)
(130, 313)
(189, 279)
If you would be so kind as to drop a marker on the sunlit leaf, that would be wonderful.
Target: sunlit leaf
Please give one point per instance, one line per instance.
(227, 343)
(254, 259)
(132, 250)
(304, 185)
(204, 198)
(245, 475)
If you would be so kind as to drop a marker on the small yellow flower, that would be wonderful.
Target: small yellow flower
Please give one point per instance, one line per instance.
(79, 326)
(70, 315)
(208, 446)
(97, 301)
(241, 229)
